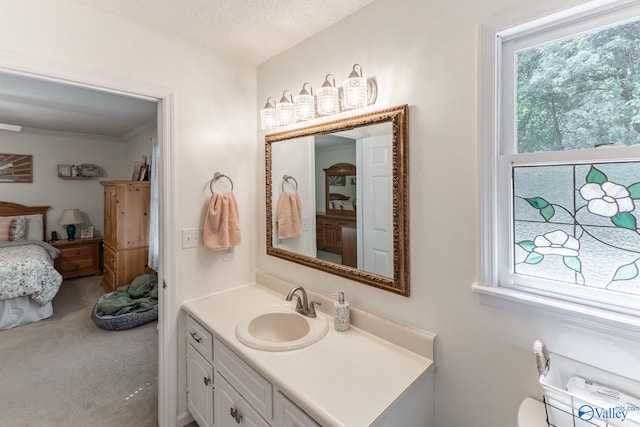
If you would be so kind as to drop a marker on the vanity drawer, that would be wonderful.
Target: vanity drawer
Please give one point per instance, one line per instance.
(200, 338)
(251, 385)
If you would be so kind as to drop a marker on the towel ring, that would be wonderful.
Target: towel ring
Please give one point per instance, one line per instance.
(286, 178)
(217, 176)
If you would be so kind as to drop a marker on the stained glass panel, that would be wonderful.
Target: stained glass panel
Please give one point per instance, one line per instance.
(578, 224)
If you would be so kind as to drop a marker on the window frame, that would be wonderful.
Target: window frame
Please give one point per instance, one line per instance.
(495, 285)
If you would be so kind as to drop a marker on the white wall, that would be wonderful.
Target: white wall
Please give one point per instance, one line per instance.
(282, 153)
(214, 122)
(424, 53)
(140, 144)
(52, 148)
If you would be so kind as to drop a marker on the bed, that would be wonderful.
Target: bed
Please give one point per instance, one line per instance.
(28, 280)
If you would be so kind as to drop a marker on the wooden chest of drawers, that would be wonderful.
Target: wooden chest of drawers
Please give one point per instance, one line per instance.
(329, 232)
(126, 231)
(80, 257)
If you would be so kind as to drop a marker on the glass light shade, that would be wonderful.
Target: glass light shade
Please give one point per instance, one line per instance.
(354, 90)
(268, 116)
(328, 98)
(285, 110)
(305, 104)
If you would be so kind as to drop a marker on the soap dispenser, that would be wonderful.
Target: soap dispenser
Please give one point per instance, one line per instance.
(341, 315)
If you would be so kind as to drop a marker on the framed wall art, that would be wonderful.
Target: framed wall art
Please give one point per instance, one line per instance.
(16, 167)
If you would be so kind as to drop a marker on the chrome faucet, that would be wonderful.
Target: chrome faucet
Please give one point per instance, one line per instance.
(303, 306)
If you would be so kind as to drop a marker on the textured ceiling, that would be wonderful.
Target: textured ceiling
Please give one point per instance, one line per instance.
(39, 104)
(251, 30)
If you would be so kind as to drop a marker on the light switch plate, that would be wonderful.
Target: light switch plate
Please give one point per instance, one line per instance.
(192, 237)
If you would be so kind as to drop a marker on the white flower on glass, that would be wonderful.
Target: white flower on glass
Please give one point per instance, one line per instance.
(556, 243)
(607, 199)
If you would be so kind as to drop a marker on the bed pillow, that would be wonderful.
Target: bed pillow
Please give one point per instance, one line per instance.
(35, 227)
(5, 228)
(343, 205)
(27, 227)
(18, 229)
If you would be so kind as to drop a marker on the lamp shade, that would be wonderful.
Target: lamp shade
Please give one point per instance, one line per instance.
(285, 110)
(305, 104)
(70, 216)
(354, 90)
(328, 97)
(268, 116)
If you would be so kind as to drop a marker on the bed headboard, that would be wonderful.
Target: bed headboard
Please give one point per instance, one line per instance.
(15, 209)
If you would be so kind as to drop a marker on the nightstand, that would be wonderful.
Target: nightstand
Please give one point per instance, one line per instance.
(79, 257)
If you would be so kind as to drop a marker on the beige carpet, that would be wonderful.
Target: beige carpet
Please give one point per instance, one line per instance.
(65, 371)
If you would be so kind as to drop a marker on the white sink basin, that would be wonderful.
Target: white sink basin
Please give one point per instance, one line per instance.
(280, 328)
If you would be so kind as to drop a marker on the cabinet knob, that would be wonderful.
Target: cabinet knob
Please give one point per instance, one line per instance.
(207, 381)
(236, 415)
(195, 336)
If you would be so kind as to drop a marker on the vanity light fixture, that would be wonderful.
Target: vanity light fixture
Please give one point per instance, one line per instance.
(328, 97)
(285, 110)
(268, 115)
(354, 90)
(305, 104)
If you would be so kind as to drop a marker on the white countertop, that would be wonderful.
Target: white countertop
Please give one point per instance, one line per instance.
(346, 379)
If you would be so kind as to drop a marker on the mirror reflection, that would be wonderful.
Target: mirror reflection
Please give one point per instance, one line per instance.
(330, 198)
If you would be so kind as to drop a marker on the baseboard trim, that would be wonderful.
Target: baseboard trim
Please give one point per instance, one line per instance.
(183, 419)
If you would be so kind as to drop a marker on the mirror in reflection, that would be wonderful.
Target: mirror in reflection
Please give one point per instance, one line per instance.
(337, 198)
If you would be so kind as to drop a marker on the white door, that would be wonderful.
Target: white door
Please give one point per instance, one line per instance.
(376, 205)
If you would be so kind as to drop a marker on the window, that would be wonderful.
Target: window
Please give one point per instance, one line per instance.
(561, 160)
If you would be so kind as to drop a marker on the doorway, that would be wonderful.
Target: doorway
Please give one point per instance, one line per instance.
(80, 78)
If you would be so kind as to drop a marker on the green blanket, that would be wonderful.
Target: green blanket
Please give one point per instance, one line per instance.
(140, 295)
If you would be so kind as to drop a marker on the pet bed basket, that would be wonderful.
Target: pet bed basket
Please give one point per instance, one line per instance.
(123, 321)
(600, 401)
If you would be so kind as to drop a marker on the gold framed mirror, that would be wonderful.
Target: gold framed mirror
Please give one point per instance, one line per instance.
(337, 198)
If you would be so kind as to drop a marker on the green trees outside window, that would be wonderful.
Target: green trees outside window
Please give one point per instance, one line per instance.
(580, 92)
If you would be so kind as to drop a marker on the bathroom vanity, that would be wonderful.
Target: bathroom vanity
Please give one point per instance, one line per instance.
(377, 373)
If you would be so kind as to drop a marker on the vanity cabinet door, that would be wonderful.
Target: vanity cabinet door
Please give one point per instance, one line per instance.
(232, 410)
(286, 413)
(250, 384)
(199, 388)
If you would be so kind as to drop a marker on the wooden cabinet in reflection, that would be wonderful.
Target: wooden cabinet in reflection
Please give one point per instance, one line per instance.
(338, 235)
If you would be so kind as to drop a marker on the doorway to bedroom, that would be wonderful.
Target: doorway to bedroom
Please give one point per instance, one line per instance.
(65, 140)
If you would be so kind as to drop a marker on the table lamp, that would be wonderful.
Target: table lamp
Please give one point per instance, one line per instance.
(71, 217)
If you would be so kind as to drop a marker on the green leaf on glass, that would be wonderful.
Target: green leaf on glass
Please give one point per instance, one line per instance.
(626, 272)
(596, 176)
(624, 220)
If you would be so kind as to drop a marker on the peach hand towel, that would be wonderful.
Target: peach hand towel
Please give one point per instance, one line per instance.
(222, 222)
(289, 211)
